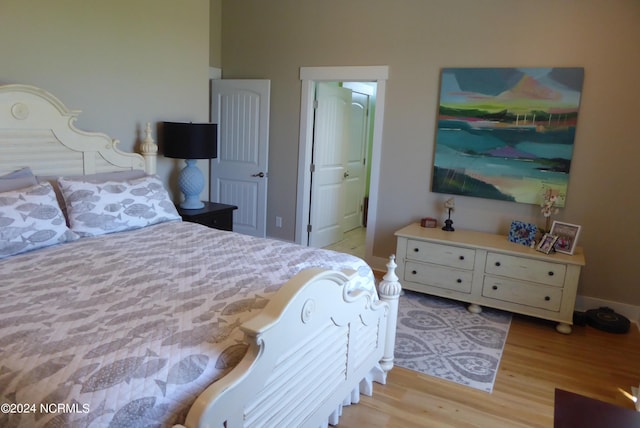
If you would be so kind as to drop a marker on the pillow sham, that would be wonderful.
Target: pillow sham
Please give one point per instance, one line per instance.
(31, 218)
(100, 177)
(19, 179)
(113, 206)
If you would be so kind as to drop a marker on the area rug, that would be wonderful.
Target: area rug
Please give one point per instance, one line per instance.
(440, 337)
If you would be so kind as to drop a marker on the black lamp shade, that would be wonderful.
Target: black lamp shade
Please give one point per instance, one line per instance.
(190, 140)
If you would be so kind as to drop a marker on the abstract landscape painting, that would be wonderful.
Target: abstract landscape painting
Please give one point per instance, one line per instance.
(506, 133)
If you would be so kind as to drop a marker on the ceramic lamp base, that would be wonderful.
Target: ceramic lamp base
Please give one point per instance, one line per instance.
(191, 184)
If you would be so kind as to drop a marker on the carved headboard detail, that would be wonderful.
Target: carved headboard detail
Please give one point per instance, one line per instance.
(37, 130)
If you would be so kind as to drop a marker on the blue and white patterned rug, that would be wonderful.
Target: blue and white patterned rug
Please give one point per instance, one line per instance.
(439, 337)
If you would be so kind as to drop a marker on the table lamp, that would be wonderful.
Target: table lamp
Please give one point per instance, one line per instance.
(190, 141)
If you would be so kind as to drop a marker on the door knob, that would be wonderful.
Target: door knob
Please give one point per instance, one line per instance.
(260, 174)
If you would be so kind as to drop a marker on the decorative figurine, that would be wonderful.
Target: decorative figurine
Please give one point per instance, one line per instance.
(450, 205)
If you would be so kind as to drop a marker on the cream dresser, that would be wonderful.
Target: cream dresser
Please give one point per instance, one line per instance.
(485, 269)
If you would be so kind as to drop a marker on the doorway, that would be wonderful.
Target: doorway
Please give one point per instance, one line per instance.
(310, 76)
(340, 178)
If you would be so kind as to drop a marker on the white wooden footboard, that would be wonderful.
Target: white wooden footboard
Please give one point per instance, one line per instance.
(311, 349)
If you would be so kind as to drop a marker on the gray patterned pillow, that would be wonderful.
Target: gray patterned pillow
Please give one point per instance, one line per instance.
(114, 206)
(100, 177)
(31, 218)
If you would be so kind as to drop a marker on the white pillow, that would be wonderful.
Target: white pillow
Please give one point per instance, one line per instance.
(31, 218)
(114, 206)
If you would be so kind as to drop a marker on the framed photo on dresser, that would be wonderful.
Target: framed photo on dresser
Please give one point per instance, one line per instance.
(567, 234)
(546, 243)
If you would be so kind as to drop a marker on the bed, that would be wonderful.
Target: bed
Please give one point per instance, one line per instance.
(114, 312)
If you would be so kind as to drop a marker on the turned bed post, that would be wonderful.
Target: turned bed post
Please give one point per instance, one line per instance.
(389, 291)
(149, 151)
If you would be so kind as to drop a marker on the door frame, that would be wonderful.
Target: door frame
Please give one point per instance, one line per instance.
(309, 76)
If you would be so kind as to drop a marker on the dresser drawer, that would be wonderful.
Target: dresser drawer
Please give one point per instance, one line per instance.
(537, 296)
(457, 257)
(526, 269)
(439, 276)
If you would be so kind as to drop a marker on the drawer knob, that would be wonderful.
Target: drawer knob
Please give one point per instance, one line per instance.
(495, 287)
(461, 257)
(416, 250)
(550, 273)
(547, 298)
(459, 281)
(414, 272)
(497, 263)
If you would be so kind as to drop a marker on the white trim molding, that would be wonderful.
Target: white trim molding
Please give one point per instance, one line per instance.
(215, 73)
(341, 74)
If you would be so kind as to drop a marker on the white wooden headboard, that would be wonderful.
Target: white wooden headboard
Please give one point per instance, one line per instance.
(37, 130)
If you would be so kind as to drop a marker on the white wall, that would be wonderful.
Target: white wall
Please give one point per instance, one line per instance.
(123, 63)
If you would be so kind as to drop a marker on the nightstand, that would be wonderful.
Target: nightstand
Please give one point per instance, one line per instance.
(218, 216)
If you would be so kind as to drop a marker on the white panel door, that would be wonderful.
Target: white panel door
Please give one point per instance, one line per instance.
(356, 167)
(331, 133)
(239, 175)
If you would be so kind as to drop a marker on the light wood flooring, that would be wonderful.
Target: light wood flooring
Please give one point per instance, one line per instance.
(535, 361)
(353, 243)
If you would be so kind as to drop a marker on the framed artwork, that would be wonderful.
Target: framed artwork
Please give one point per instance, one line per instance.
(546, 243)
(567, 236)
(506, 133)
(522, 233)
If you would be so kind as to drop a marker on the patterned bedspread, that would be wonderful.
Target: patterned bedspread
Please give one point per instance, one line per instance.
(125, 330)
